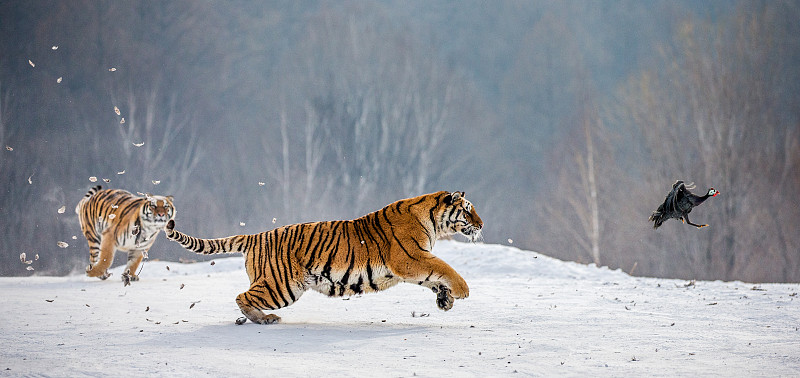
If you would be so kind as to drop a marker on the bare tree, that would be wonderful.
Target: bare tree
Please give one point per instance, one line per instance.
(5, 132)
(362, 118)
(573, 208)
(714, 116)
(152, 143)
(588, 177)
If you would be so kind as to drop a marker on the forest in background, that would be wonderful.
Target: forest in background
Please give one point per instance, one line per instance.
(565, 122)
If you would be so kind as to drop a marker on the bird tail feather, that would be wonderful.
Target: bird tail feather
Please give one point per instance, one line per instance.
(657, 218)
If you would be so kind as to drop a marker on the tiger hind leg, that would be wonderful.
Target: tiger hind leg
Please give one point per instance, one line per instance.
(94, 254)
(260, 297)
(252, 312)
(100, 266)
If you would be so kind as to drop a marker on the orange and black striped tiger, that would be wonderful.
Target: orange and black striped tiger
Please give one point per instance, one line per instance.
(339, 258)
(115, 219)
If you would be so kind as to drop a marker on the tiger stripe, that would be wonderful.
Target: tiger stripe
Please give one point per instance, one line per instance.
(116, 220)
(341, 258)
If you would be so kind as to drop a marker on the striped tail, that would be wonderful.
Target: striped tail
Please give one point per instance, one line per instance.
(231, 244)
(85, 198)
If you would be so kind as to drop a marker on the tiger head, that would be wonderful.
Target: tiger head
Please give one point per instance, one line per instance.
(157, 210)
(459, 216)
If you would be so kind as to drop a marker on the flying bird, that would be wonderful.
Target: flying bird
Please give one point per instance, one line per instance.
(679, 204)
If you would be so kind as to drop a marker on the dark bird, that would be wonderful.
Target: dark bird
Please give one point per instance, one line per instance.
(679, 204)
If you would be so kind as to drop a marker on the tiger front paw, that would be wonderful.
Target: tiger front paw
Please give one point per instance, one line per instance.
(458, 288)
(92, 272)
(444, 299)
(127, 277)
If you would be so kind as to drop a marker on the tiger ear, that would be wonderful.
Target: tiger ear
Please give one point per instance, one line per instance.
(452, 197)
(171, 198)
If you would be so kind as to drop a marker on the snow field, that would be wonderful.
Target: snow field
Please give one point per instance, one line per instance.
(527, 314)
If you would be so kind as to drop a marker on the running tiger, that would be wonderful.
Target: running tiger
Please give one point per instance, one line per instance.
(338, 258)
(115, 219)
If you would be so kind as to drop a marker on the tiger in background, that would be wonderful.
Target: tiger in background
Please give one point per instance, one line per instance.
(116, 220)
(342, 258)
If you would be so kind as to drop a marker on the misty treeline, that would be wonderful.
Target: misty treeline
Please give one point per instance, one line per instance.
(565, 122)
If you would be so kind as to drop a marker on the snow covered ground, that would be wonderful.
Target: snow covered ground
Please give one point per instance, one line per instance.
(526, 314)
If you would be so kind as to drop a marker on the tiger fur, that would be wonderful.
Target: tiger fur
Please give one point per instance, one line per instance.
(342, 258)
(116, 220)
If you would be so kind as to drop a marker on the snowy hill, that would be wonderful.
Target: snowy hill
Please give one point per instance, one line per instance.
(527, 313)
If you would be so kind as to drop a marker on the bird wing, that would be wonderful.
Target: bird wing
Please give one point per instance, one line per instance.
(685, 200)
(675, 196)
(671, 207)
